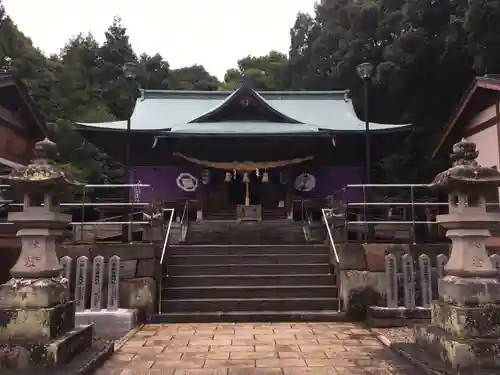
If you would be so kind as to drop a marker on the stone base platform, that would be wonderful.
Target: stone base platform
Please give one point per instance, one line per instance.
(33, 293)
(24, 354)
(459, 353)
(402, 342)
(110, 325)
(84, 363)
(382, 317)
(36, 324)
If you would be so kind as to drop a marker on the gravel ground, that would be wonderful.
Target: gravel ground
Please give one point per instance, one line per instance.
(400, 335)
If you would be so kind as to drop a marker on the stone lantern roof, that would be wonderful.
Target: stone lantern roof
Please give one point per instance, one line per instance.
(466, 173)
(42, 172)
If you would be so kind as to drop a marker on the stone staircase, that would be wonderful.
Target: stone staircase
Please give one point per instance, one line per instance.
(230, 214)
(213, 283)
(228, 232)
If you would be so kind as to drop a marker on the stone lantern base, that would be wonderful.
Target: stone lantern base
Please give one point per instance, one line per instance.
(465, 324)
(37, 325)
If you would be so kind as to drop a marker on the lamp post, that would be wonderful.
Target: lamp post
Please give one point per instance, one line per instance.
(130, 72)
(365, 71)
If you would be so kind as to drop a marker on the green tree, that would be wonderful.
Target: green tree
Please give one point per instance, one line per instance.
(192, 78)
(265, 72)
(113, 54)
(425, 52)
(155, 72)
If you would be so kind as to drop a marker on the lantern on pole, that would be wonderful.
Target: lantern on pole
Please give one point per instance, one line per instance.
(265, 177)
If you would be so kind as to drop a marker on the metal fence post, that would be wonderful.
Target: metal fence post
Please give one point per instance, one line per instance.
(365, 217)
(83, 212)
(412, 201)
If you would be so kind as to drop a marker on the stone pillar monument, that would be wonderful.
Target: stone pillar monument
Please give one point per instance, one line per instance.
(465, 325)
(37, 321)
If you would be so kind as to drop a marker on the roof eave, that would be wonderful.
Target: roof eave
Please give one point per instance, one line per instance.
(14, 80)
(90, 128)
(478, 82)
(320, 133)
(392, 129)
(147, 94)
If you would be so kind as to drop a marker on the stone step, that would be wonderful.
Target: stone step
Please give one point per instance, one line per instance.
(248, 304)
(250, 280)
(224, 225)
(248, 239)
(248, 269)
(233, 231)
(250, 316)
(248, 259)
(238, 292)
(247, 249)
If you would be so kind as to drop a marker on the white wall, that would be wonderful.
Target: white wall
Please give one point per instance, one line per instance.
(488, 146)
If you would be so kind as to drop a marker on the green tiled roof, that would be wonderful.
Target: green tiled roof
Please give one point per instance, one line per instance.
(309, 111)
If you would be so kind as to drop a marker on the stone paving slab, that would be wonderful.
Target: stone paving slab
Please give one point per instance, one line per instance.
(254, 349)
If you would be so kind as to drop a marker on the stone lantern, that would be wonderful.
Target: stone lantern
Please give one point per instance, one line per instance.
(37, 321)
(465, 326)
(468, 222)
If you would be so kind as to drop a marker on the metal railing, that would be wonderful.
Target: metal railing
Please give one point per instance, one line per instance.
(411, 206)
(83, 205)
(325, 213)
(163, 254)
(332, 249)
(167, 233)
(367, 206)
(184, 222)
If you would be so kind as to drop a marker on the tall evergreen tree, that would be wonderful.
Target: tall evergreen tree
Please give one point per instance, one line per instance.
(266, 72)
(118, 94)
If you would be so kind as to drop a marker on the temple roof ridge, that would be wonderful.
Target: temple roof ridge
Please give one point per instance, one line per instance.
(246, 91)
(184, 111)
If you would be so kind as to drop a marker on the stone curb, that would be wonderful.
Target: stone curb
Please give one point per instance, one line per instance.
(422, 368)
(127, 337)
(113, 348)
(86, 363)
(97, 362)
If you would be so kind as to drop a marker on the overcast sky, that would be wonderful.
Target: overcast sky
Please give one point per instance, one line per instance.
(214, 33)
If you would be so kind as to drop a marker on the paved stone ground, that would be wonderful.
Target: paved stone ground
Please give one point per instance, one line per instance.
(255, 349)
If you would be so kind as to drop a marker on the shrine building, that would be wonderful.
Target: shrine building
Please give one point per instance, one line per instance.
(265, 149)
(476, 119)
(21, 125)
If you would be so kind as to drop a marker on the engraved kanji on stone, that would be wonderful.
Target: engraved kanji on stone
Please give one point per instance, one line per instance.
(113, 282)
(477, 261)
(81, 282)
(97, 283)
(409, 281)
(31, 261)
(391, 280)
(424, 264)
